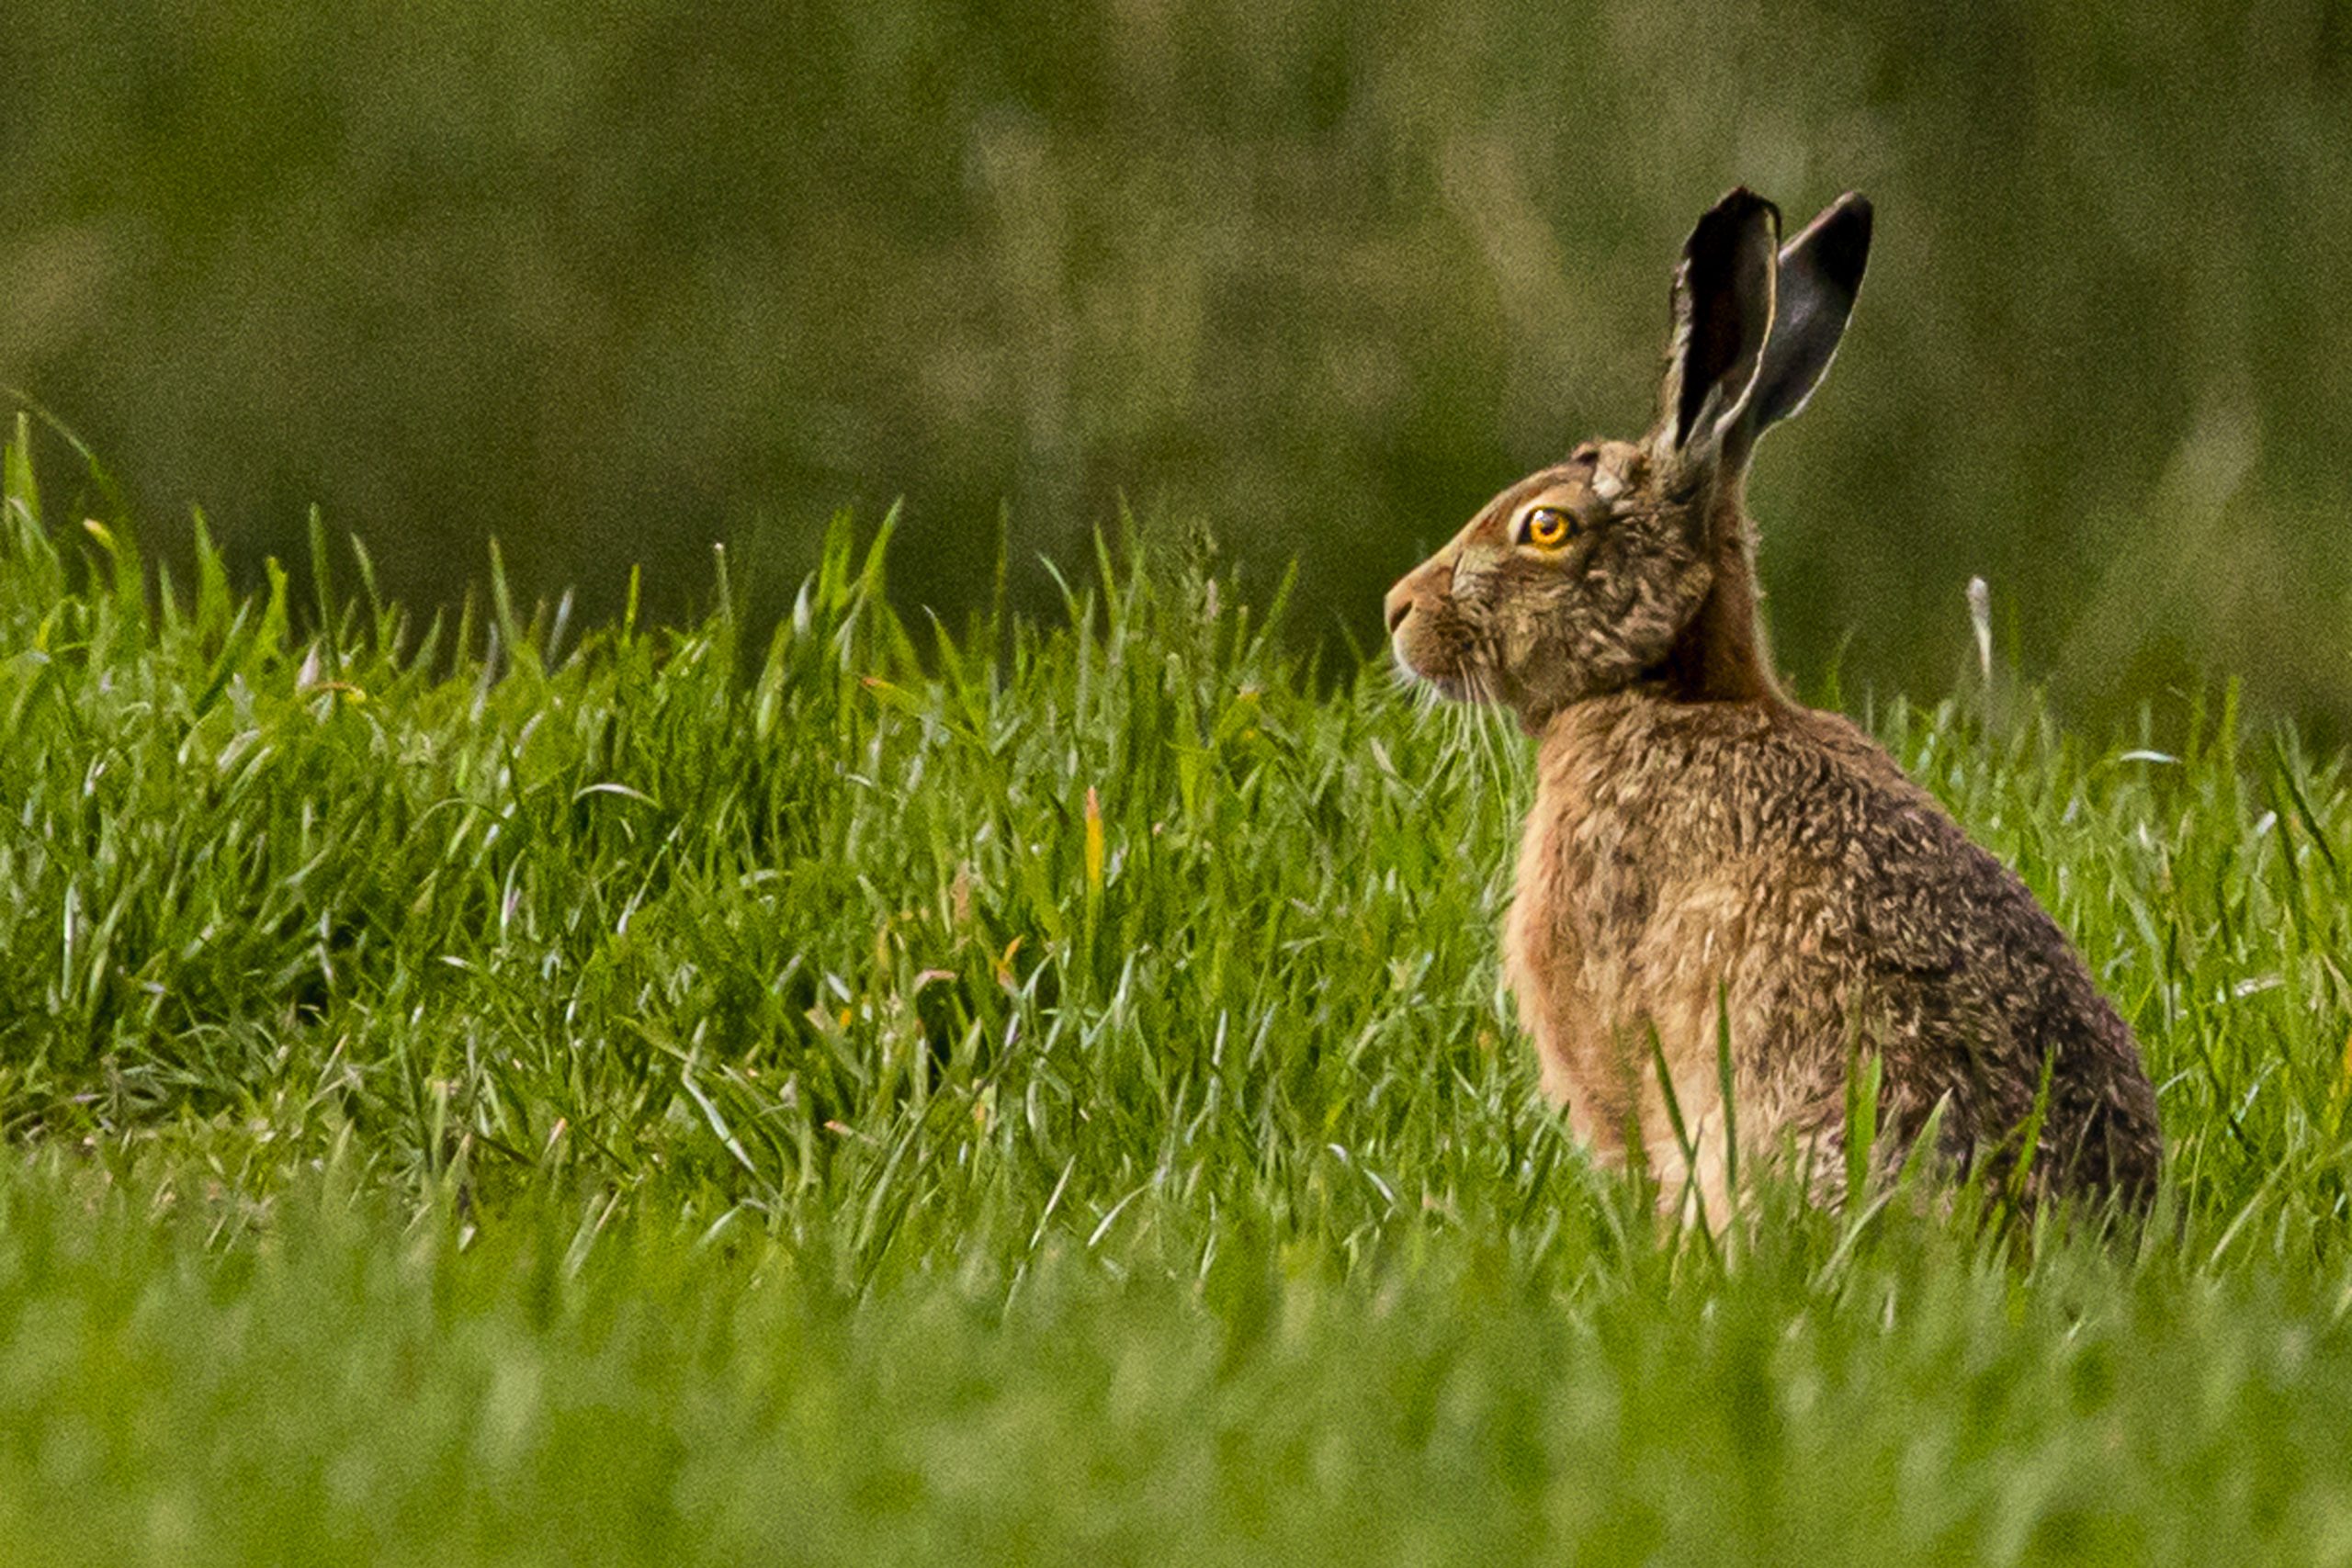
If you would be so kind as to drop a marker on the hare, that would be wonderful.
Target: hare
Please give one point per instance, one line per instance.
(1709, 863)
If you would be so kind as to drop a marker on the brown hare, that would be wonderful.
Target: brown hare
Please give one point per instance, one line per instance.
(1708, 862)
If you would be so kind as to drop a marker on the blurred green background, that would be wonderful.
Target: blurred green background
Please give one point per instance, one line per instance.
(611, 281)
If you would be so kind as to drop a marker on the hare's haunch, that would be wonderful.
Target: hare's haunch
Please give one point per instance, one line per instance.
(1707, 859)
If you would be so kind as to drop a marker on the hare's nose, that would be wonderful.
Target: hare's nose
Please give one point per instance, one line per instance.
(1432, 577)
(1400, 606)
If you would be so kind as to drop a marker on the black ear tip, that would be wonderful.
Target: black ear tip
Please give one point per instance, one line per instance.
(1739, 204)
(1741, 211)
(1838, 242)
(1854, 212)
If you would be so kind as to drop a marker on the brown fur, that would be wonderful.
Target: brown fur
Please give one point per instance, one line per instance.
(1705, 853)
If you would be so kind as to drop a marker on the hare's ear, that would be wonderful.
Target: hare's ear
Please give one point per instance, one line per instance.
(1723, 318)
(1821, 271)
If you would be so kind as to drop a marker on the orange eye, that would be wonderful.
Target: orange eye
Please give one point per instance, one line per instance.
(1546, 528)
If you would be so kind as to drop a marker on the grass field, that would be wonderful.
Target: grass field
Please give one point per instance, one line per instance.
(501, 1090)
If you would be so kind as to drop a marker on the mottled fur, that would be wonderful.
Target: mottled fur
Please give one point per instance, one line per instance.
(1706, 859)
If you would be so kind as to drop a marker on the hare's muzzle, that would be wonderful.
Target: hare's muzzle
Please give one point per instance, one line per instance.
(1420, 599)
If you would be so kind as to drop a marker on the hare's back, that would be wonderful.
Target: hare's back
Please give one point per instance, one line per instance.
(1970, 987)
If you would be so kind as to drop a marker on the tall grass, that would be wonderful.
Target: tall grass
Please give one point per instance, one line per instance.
(502, 1088)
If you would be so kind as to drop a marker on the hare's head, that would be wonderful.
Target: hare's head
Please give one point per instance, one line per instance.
(1629, 561)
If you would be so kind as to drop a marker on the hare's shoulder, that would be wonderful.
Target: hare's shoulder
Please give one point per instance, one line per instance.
(1769, 786)
(1808, 813)
(1920, 892)
(1742, 775)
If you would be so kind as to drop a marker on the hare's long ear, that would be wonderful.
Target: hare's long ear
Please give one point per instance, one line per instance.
(1821, 271)
(1723, 318)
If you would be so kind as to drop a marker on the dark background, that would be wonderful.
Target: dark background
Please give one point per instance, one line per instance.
(612, 281)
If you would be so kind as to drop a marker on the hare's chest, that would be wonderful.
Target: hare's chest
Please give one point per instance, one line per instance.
(1567, 966)
(1615, 952)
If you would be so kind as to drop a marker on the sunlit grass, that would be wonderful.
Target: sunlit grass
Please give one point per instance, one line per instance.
(502, 1089)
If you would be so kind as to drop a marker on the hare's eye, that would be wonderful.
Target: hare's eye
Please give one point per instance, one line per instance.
(1546, 528)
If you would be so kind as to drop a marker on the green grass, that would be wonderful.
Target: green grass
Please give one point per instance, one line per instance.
(491, 1091)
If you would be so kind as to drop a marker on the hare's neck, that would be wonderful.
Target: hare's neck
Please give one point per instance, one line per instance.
(1721, 655)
